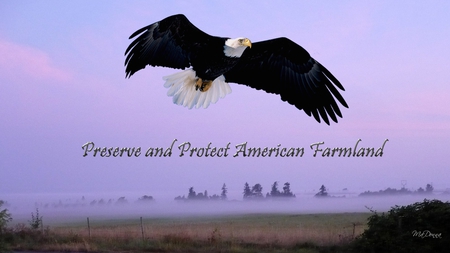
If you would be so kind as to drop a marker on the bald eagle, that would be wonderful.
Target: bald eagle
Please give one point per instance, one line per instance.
(278, 66)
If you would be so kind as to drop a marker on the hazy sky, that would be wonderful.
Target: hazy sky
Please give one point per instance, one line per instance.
(62, 84)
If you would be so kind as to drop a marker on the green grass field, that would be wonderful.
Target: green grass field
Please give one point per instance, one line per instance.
(237, 233)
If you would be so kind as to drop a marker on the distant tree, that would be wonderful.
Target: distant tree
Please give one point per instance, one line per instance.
(387, 191)
(322, 192)
(197, 196)
(257, 191)
(247, 191)
(191, 194)
(403, 190)
(429, 188)
(223, 195)
(287, 190)
(274, 192)
(121, 201)
(180, 198)
(215, 197)
(420, 190)
(145, 198)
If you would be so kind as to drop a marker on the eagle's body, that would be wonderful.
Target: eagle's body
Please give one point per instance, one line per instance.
(277, 66)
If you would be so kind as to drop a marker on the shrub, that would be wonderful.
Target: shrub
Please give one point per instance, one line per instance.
(420, 227)
(36, 221)
(5, 217)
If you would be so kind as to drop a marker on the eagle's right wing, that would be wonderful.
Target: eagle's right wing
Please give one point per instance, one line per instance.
(167, 43)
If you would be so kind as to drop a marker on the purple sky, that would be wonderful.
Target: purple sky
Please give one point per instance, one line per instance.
(63, 84)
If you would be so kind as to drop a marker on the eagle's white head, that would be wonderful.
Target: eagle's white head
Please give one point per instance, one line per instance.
(236, 47)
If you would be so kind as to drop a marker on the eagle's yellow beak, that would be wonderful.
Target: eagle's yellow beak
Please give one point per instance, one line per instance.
(247, 43)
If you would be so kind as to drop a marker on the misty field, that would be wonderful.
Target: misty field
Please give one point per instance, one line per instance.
(239, 233)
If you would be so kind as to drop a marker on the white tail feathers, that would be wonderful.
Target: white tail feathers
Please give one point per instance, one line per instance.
(182, 88)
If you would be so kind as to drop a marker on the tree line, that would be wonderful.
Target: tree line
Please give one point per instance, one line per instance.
(255, 192)
(403, 191)
(192, 195)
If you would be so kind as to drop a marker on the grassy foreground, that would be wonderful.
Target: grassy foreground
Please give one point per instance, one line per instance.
(240, 233)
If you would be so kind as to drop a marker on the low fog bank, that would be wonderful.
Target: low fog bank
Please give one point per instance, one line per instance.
(60, 209)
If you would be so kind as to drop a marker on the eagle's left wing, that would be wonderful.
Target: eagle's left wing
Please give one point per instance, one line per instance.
(283, 67)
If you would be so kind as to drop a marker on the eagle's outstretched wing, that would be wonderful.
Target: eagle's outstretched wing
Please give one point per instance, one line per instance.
(283, 67)
(167, 43)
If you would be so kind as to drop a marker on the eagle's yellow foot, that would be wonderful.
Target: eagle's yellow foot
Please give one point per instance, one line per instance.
(198, 83)
(202, 85)
(206, 85)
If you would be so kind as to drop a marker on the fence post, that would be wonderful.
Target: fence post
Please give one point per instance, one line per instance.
(89, 228)
(142, 230)
(42, 226)
(354, 226)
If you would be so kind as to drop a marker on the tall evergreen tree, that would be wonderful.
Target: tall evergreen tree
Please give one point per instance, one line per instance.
(322, 192)
(247, 191)
(223, 195)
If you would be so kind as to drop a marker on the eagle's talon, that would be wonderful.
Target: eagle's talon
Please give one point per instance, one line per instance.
(206, 85)
(202, 85)
(199, 84)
